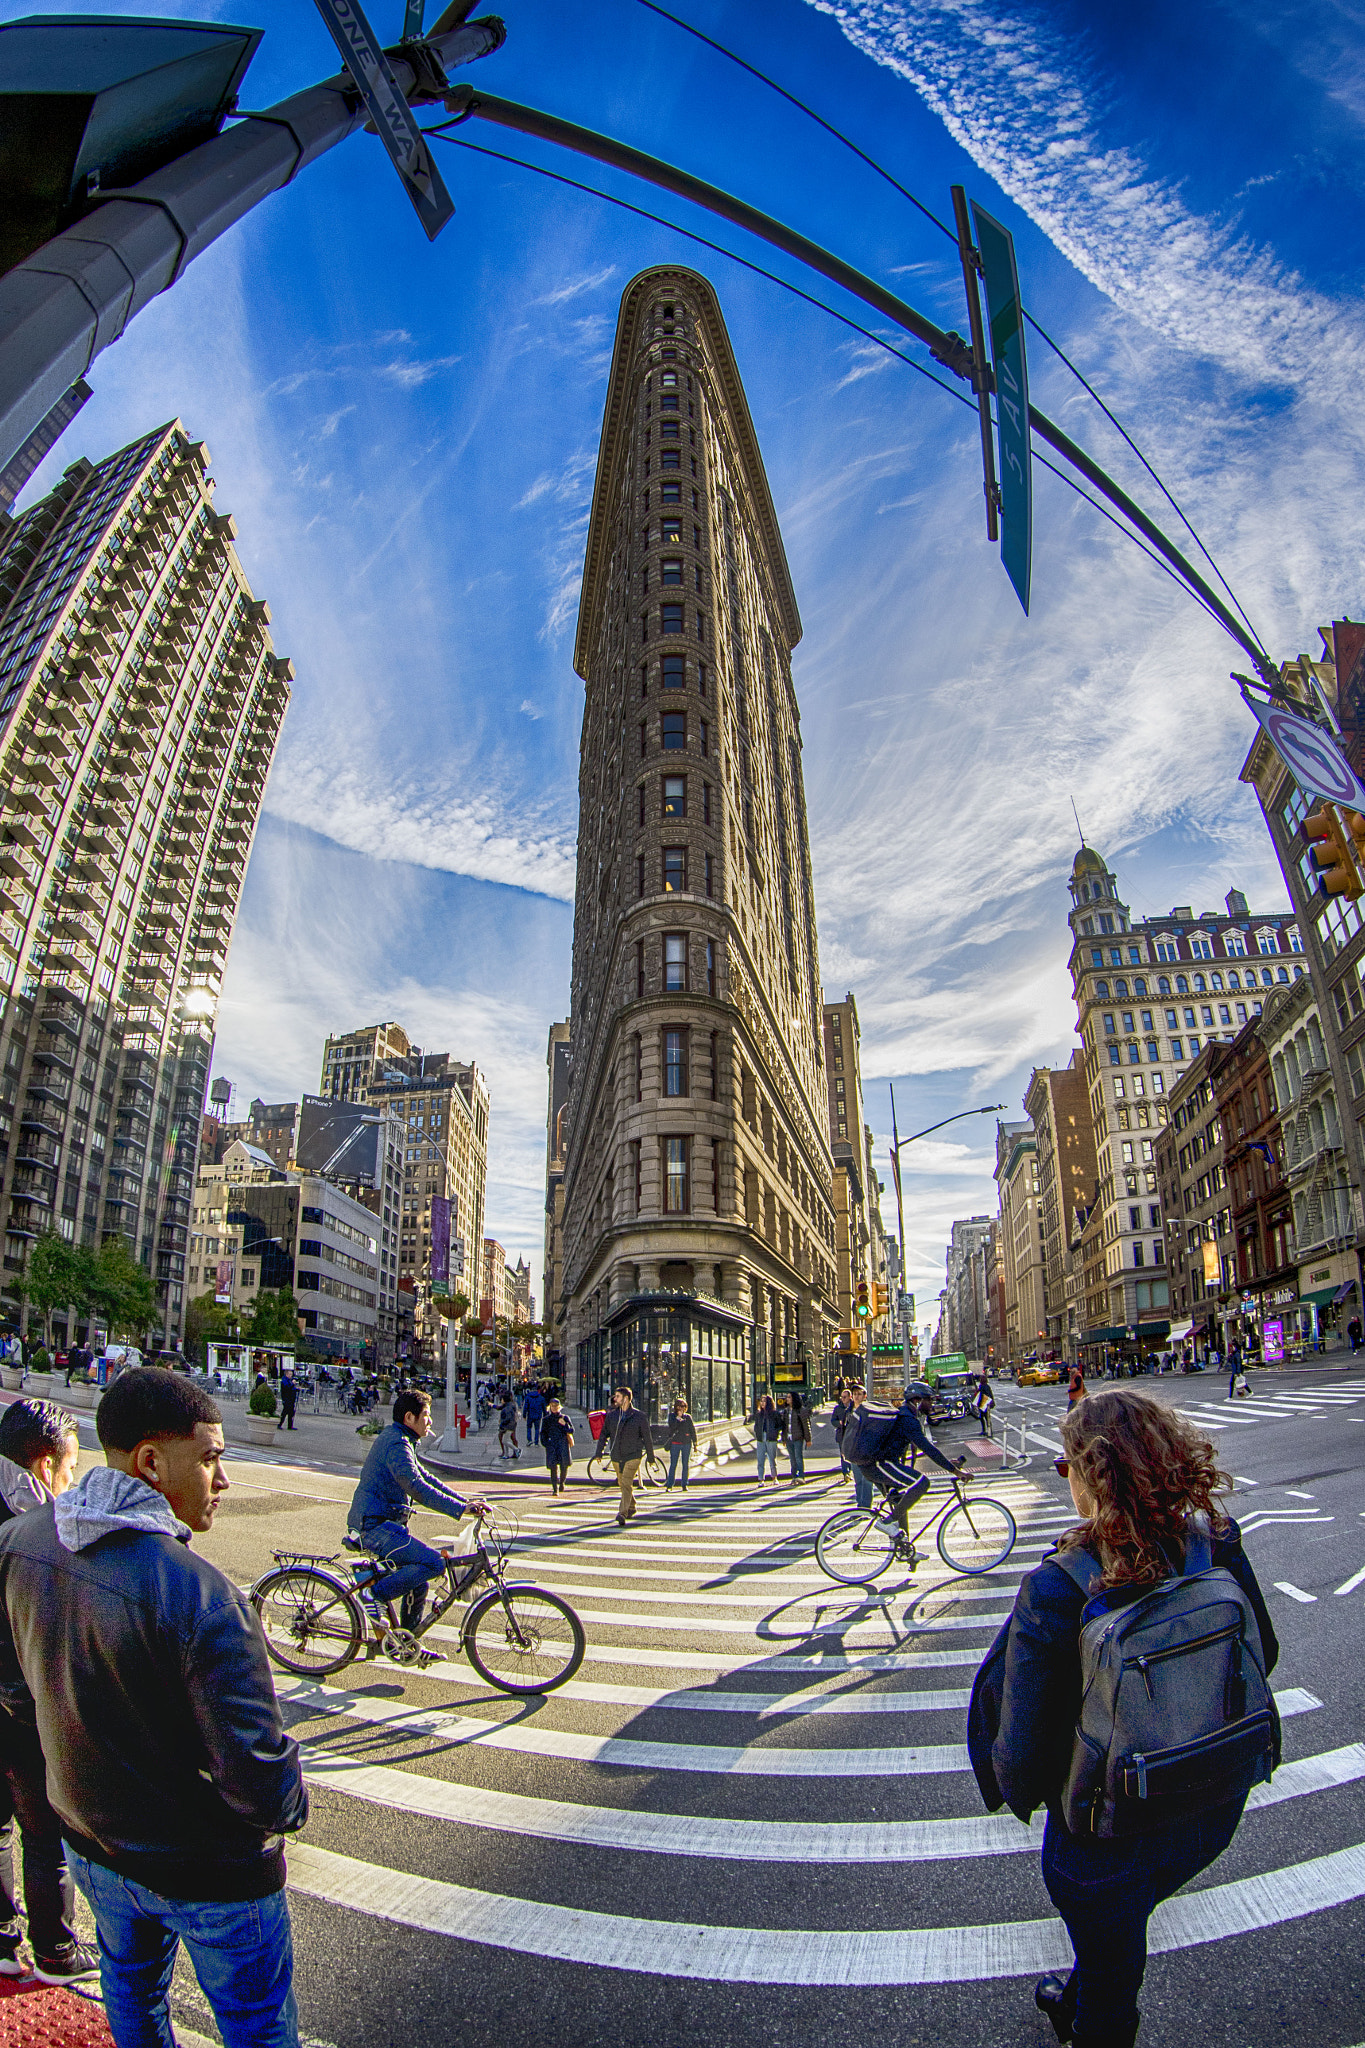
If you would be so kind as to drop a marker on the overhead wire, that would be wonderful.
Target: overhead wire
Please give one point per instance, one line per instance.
(881, 171)
(437, 134)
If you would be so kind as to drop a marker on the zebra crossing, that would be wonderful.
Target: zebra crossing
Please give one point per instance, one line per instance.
(746, 1749)
(1346, 1395)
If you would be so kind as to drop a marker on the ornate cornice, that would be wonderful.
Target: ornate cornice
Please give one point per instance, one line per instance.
(616, 441)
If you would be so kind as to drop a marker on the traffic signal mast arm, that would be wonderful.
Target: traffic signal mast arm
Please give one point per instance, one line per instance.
(69, 300)
(945, 347)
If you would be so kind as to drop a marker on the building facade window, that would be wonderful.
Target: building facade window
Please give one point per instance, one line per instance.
(676, 1191)
(675, 869)
(673, 676)
(673, 729)
(675, 1062)
(710, 967)
(675, 796)
(675, 961)
(671, 618)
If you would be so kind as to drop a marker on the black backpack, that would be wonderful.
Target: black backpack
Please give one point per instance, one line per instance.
(1176, 1714)
(868, 1433)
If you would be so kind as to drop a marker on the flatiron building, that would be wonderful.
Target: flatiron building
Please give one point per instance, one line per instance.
(697, 1251)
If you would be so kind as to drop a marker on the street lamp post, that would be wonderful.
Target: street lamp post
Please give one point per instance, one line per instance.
(986, 1109)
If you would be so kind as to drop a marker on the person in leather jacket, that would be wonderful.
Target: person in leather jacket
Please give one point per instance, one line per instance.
(167, 1763)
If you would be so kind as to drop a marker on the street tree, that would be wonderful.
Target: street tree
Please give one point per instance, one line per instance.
(58, 1275)
(121, 1291)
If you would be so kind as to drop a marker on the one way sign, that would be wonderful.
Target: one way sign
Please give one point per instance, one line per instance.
(390, 112)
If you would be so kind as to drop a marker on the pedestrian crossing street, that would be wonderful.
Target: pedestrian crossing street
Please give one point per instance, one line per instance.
(745, 1740)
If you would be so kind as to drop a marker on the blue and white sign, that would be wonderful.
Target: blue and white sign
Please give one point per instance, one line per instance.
(390, 112)
(1310, 753)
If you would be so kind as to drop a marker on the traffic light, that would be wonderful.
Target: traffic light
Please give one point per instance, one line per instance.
(882, 1305)
(1329, 850)
(863, 1305)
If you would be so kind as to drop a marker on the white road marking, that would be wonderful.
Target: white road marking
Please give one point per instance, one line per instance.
(834, 1956)
(464, 1731)
(795, 1841)
(1298, 1518)
(1295, 1493)
(1357, 1579)
(1295, 1592)
(1294, 1700)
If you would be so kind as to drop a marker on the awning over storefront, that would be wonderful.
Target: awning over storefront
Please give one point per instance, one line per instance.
(1179, 1331)
(1162, 1329)
(1107, 1335)
(1321, 1297)
(1348, 1287)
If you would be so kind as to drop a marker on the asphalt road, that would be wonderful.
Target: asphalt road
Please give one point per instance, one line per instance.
(748, 1820)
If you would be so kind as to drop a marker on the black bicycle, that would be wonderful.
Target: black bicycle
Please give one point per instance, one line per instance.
(974, 1535)
(520, 1638)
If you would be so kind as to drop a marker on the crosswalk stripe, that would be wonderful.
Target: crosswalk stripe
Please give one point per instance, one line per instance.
(852, 1631)
(814, 1956)
(753, 1841)
(467, 1731)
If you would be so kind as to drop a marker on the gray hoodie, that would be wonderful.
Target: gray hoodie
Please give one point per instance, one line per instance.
(19, 1490)
(106, 1500)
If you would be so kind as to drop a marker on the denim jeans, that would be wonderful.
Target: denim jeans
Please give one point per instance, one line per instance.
(862, 1486)
(796, 1455)
(533, 1429)
(242, 1952)
(767, 1453)
(414, 1564)
(1106, 1892)
(679, 1454)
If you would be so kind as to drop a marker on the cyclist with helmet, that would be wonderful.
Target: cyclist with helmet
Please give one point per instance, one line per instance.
(894, 1472)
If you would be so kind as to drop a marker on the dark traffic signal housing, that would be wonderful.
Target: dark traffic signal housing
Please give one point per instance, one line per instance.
(863, 1305)
(1329, 850)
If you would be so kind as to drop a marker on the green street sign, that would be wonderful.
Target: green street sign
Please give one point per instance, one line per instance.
(1005, 310)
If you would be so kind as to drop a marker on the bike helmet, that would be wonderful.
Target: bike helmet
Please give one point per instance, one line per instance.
(919, 1390)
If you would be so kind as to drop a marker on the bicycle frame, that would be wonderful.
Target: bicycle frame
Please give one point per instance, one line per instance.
(885, 1511)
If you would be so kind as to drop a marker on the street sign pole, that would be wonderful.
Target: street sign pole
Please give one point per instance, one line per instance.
(389, 111)
(1005, 306)
(981, 383)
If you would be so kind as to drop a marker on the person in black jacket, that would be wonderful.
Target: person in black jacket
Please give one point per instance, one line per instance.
(1137, 1472)
(39, 1446)
(556, 1436)
(626, 1439)
(682, 1441)
(167, 1763)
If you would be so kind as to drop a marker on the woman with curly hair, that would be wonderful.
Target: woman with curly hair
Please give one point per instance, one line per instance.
(1143, 1483)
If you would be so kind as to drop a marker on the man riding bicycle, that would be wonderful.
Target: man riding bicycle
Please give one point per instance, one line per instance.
(391, 1480)
(891, 1473)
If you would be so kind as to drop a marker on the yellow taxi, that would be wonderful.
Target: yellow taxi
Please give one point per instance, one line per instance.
(1040, 1375)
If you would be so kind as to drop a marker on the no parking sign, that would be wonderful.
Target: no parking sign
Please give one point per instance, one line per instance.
(1311, 754)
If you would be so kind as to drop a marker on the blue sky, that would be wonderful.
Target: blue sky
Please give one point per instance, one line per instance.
(407, 435)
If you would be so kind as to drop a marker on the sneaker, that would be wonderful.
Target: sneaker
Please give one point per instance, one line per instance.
(80, 1961)
(10, 1964)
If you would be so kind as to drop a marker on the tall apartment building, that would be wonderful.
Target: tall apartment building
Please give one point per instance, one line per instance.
(358, 1148)
(1262, 1207)
(140, 705)
(441, 1106)
(1020, 1251)
(352, 1061)
(271, 1126)
(698, 1228)
(558, 1055)
(1057, 1101)
(493, 1286)
(1149, 996)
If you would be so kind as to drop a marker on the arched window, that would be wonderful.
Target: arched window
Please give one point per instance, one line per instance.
(1121, 990)
(1102, 991)
(1182, 985)
(1199, 988)
(1216, 982)
(1233, 981)
(1164, 985)
(1283, 974)
(1140, 988)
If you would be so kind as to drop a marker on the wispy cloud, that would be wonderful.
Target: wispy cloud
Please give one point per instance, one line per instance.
(409, 375)
(1008, 89)
(574, 287)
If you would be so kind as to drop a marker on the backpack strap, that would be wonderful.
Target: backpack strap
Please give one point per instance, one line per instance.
(1198, 1547)
(1081, 1566)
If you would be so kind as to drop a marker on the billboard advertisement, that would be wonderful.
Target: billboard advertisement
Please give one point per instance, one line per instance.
(1272, 1339)
(340, 1139)
(440, 1245)
(222, 1291)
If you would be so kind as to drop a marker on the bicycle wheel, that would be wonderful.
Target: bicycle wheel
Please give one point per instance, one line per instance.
(976, 1535)
(653, 1472)
(313, 1624)
(600, 1470)
(523, 1639)
(855, 1545)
